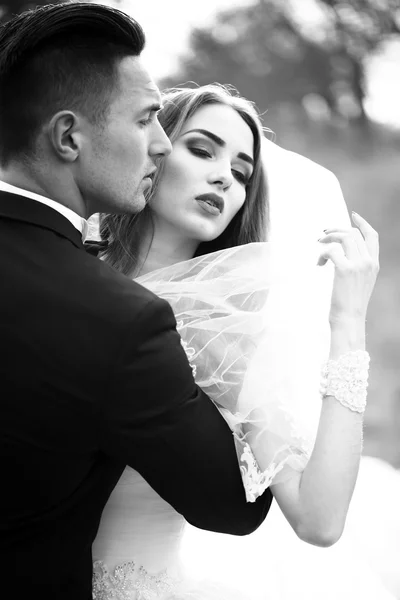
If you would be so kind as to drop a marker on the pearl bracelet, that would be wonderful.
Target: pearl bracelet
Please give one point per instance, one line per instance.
(346, 379)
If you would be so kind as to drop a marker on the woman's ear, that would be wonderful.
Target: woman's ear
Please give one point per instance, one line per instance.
(65, 135)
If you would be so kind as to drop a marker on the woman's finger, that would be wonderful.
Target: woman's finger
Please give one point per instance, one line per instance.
(348, 242)
(334, 252)
(335, 230)
(361, 243)
(370, 235)
(358, 236)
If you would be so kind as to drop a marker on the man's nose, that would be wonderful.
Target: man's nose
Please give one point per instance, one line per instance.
(161, 145)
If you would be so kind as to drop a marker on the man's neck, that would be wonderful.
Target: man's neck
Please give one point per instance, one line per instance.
(54, 188)
(22, 182)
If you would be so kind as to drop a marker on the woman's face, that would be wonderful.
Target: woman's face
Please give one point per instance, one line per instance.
(203, 184)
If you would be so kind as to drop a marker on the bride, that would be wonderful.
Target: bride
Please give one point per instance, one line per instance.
(254, 318)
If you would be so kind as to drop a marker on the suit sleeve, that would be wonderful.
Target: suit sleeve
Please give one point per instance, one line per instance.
(155, 419)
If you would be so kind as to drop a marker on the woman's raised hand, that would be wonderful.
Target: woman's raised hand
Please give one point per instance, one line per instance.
(355, 254)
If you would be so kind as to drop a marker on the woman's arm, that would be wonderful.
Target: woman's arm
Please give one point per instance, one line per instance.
(315, 502)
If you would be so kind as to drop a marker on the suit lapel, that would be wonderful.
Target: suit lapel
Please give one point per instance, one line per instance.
(20, 208)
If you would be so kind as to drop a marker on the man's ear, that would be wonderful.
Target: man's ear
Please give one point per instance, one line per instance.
(65, 135)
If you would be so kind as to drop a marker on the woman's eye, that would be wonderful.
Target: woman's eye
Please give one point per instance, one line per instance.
(241, 177)
(200, 152)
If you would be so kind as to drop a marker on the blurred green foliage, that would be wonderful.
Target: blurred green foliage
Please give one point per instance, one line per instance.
(303, 64)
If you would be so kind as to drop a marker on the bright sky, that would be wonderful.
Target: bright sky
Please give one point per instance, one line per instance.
(167, 24)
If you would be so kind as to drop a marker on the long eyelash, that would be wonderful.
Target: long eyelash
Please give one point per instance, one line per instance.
(240, 177)
(204, 153)
(146, 121)
(200, 152)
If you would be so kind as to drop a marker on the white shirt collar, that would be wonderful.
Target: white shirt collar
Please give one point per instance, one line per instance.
(77, 221)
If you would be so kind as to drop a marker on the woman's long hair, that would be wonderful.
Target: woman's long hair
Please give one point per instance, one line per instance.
(126, 233)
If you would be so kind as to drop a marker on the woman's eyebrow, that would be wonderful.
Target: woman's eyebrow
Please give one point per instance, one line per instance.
(220, 142)
(246, 158)
(215, 138)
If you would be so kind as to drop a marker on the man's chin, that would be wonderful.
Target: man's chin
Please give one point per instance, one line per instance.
(133, 205)
(139, 202)
(128, 205)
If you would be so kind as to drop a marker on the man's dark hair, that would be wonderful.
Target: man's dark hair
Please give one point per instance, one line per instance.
(59, 57)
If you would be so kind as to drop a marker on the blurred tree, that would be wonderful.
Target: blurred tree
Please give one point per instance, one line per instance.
(310, 52)
(355, 29)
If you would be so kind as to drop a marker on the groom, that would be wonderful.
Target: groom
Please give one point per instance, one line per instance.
(93, 373)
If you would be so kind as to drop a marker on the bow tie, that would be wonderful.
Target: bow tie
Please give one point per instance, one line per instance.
(94, 247)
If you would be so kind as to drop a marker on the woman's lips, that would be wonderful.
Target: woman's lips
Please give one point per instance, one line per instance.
(208, 208)
(211, 203)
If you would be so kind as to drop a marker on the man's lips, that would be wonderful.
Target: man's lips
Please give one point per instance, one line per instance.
(148, 179)
(150, 174)
(213, 201)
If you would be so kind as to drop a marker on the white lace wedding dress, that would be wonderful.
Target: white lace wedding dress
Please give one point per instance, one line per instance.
(257, 353)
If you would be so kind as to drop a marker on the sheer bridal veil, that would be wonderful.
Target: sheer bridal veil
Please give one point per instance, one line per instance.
(254, 322)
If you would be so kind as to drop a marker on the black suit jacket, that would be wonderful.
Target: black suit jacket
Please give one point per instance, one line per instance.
(93, 377)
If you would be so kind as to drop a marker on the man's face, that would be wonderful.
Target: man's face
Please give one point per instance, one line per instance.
(120, 154)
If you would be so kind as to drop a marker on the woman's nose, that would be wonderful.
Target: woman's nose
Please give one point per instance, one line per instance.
(222, 176)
